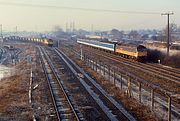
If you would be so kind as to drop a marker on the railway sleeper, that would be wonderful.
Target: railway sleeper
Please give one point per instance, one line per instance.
(64, 110)
(65, 116)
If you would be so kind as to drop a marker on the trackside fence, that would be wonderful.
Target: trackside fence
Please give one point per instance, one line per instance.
(162, 103)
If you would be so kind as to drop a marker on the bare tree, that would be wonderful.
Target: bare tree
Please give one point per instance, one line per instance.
(134, 35)
(172, 29)
(117, 34)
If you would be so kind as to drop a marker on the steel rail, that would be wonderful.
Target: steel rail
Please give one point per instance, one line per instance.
(47, 77)
(66, 95)
(96, 85)
(174, 73)
(62, 88)
(143, 67)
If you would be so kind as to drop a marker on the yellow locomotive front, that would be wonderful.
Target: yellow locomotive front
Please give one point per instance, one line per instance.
(142, 53)
(138, 53)
(48, 42)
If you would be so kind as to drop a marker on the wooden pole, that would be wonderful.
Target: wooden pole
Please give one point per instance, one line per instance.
(139, 91)
(87, 60)
(121, 81)
(114, 78)
(104, 69)
(99, 67)
(109, 73)
(129, 86)
(96, 65)
(152, 99)
(93, 63)
(169, 108)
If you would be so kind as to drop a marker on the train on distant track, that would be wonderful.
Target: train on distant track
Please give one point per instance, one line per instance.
(132, 51)
(48, 42)
(45, 41)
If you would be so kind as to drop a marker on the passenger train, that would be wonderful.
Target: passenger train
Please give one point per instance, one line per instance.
(135, 52)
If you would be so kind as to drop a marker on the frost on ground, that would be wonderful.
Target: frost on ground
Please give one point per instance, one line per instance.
(14, 105)
(14, 90)
(14, 95)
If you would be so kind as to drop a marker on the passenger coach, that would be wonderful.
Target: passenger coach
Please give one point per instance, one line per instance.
(135, 52)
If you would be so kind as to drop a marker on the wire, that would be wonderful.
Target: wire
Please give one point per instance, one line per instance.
(73, 8)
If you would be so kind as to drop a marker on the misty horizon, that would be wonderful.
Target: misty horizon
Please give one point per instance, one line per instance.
(103, 15)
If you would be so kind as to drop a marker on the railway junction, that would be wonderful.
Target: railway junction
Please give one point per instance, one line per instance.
(73, 82)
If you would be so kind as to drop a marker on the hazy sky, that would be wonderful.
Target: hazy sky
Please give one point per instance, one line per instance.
(41, 16)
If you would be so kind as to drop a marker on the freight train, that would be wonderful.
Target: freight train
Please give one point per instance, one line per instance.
(45, 41)
(48, 42)
(135, 52)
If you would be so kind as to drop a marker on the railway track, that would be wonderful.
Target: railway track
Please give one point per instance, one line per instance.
(175, 110)
(167, 68)
(159, 71)
(170, 87)
(165, 80)
(111, 107)
(64, 108)
(168, 73)
(154, 77)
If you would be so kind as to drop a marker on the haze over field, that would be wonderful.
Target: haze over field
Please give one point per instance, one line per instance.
(42, 15)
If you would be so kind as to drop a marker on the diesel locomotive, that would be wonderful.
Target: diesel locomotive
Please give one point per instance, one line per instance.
(132, 51)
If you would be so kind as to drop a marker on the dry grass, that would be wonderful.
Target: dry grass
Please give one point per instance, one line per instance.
(173, 61)
(14, 103)
(14, 97)
(142, 112)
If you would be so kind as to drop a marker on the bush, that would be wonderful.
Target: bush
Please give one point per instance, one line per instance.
(154, 56)
(173, 61)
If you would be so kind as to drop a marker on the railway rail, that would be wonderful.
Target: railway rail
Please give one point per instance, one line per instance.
(110, 106)
(162, 82)
(153, 76)
(167, 68)
(162, 72)
(159, 98)
(64, 108)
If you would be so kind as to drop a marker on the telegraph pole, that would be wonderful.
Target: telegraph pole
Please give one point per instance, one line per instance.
(168, 38)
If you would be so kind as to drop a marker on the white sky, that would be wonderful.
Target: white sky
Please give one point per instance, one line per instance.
(44, 18)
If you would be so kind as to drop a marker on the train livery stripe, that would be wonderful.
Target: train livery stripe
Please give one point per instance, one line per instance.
(102, 46)
(134, 54)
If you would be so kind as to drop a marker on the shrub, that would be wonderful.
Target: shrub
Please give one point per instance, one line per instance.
(154, 56)
(173, 61)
